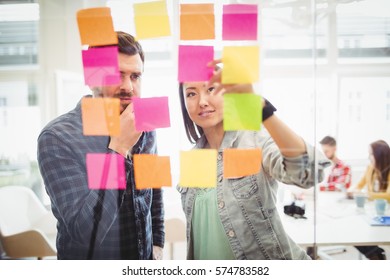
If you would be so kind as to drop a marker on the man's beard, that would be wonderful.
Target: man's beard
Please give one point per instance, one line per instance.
(122, 96)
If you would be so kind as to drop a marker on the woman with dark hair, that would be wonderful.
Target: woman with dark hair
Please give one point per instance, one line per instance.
(377, 180)
(377, 176)
(238, 218)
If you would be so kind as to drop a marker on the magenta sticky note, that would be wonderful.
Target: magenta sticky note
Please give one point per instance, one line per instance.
(151, 113)
(239, 22)
(101, 66)
(193, 63)
(106, 171)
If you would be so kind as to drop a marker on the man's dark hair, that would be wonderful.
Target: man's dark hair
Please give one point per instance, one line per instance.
(328, 140)
(128, 45)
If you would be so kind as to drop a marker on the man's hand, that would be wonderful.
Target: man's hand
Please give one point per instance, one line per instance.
(157, 253)
(128, 135)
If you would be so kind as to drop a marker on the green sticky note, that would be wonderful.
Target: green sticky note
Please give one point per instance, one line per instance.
(242, 111)
(198, 168)
(151, 20)
(240, 64)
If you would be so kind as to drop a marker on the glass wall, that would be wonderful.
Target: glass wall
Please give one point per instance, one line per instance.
(325, 65)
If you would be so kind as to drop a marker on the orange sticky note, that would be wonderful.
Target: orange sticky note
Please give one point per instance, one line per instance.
(241, 162)
(151, 171)
(198, 168)
(197, 21)
(100, 116)
(151, 20)
(96, 27)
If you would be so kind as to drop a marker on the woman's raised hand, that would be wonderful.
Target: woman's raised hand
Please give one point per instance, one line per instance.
(216, 81)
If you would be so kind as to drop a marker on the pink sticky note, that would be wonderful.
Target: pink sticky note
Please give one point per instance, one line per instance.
(239, 22)
(193, 63)
(106, 171)
(101, 66)
(151, 113)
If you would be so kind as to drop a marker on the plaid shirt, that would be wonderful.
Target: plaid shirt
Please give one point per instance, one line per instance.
(340, 174)
(96, 224)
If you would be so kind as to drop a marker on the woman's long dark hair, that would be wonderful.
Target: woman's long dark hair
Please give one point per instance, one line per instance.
(381, 153)
(193, 131)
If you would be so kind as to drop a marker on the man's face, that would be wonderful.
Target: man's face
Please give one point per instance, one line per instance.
(130, 68)
(329, 151)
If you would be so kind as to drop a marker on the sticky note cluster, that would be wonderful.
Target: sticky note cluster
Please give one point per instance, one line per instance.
(240, 66)
(198, 168)
(239, 22)
(100, 61)
(101, 116)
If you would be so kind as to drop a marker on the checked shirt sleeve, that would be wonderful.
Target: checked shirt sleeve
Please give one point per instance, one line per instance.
(65, 178)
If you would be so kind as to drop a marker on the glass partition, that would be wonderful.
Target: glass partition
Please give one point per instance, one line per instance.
(324, 64)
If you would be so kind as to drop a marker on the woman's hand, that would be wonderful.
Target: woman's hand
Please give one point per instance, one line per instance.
(216, 81)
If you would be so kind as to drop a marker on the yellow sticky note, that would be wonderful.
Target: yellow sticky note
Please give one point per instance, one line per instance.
(151, 20)
(241, 162)
(240, 64)
(96, 27)
(100, 116)
(198, 168)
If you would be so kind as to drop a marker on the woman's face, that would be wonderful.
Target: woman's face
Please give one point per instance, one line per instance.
(204, 106)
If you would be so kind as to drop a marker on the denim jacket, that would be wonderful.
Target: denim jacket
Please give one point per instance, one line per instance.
(247, 205)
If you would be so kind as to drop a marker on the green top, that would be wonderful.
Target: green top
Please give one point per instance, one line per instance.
(208, 235)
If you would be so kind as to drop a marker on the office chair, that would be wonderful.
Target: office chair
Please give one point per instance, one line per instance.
(27, 228)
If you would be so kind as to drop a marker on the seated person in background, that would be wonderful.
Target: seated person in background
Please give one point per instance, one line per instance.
(377, 180)
(340, 175)
(377, 176)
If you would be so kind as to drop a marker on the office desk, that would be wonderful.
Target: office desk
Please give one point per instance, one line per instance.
(338, 222)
